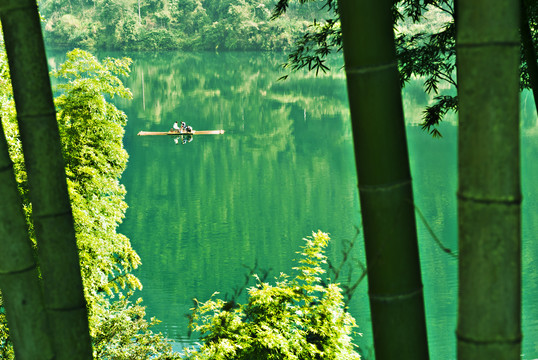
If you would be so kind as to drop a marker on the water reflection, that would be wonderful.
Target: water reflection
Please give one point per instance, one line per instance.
(183, 139)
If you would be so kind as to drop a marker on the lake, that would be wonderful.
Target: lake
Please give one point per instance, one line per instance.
(201, 213)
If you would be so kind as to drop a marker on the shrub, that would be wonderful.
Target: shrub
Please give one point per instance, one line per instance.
(297, 318)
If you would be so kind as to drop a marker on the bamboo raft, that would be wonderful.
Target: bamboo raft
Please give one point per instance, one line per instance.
(194, 132)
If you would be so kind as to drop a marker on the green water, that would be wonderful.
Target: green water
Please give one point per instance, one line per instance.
(200, 211)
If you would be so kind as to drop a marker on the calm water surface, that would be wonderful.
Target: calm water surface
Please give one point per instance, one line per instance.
(202, 212)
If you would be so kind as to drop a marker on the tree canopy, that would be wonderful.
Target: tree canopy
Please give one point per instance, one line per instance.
(171, 24)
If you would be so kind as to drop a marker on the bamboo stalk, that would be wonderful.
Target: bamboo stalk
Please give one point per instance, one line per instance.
(489, 194)
(52, 216)
(19, 278)
(385, 188)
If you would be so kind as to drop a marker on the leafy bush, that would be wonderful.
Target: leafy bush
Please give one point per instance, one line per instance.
(297, 318)
(121, 332)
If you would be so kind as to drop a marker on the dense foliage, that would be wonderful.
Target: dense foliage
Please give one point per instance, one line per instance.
(92, 129)
(298, 318)
(170, 24)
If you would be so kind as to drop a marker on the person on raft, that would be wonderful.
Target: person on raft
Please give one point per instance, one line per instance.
(181, 129)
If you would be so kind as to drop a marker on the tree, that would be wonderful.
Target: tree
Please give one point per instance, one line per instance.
(52, 216)
(92, 130)
(385, 188)
(489, 194)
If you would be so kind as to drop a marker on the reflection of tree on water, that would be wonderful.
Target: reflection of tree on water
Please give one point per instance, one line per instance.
(183, 139)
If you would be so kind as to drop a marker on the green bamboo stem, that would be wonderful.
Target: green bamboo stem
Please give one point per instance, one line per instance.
(52, 216)
(489, 194)
(19, 278)
(385, 188)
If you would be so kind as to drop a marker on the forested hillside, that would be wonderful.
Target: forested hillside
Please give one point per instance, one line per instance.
(173, 24)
